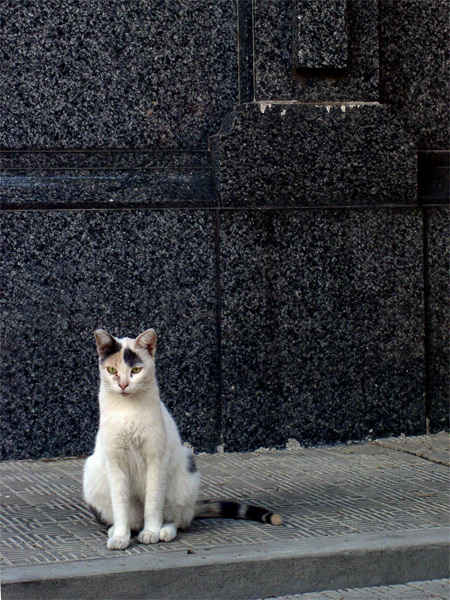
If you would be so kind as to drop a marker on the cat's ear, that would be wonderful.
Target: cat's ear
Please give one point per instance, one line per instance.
(147, 341)
(106, 343)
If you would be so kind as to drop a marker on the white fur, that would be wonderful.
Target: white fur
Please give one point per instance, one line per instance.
(138, 477)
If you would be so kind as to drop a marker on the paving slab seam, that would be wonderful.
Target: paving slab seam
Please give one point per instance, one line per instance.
(388, 443)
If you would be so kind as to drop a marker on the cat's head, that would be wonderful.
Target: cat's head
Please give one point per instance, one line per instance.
(127, 366)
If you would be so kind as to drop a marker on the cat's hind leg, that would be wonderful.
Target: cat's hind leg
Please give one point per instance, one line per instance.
(182, 492)
(96, 491)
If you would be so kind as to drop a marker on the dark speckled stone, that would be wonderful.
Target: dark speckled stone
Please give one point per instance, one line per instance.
(275, 78)
(322, 326)
(67, 273)
(434, 177)
(438, 318)
(245, 49)
(320, 34)
(79, 74)
(115, 179)
(285, 278)
(415, 67)
(307, 155)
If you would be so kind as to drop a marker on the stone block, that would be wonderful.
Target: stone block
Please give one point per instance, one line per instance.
(320, 34)
(116, 74)
(415, 67)
(66, 273)
(275, 75)
(322, 326)
(437, 288)
(291, 154)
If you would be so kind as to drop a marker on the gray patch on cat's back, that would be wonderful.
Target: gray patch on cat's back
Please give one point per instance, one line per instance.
(192, 467)
(131, 358)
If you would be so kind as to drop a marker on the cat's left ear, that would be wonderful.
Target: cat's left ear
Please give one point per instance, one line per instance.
(106, 343)
(147, 341)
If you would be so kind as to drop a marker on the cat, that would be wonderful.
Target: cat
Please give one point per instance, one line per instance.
(140, 477)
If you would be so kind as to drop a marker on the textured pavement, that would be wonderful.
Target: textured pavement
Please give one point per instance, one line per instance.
(385, 487)
(437, 589)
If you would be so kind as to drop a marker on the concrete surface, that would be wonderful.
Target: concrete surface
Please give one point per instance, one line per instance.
(372, 514)
(437, 589)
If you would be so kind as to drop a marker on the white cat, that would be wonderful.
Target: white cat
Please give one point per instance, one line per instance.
(140, 477)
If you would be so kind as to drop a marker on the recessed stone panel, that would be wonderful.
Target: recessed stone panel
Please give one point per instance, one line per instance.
(320, 34)
(434, 177)
(322, 326)
(278, 76)
(67, 273)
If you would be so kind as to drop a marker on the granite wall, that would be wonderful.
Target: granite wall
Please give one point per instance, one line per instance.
(264, 183)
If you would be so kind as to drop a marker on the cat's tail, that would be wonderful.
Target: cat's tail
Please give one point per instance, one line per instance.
(210, 509)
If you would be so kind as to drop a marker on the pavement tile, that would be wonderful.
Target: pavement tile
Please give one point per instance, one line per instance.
(438, 589)
(320, 492)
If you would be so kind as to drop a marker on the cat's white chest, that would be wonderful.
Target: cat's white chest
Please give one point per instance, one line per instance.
(134, 430)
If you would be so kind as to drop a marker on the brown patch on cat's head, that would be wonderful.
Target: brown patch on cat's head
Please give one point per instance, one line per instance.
(114, 360)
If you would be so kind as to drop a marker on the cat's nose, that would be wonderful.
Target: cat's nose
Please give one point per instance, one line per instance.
(123, 386)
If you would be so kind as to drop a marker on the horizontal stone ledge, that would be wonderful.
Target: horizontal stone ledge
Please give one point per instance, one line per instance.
(105, 159)
(191, 189)
(104, 178)
(308, 154)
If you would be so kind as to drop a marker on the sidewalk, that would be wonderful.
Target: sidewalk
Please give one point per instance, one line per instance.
(438, 589)
(354, 516)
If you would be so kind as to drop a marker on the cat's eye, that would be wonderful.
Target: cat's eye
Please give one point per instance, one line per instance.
(112, 370)
(136, 370)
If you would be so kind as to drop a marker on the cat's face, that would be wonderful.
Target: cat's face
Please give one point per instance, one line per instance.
(127, 366)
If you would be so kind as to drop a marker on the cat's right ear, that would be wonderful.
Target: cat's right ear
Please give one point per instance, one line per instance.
(106, 343)
(147, 341)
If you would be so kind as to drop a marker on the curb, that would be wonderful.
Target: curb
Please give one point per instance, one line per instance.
(242, 573)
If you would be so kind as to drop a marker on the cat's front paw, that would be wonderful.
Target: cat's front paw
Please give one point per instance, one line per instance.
(118, 542)
(148, 536)
(168, 532)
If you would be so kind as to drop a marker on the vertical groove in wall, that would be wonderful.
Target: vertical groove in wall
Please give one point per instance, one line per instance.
(426, 318)
(253, 55)
(239, 61)
(240, 41)
(219, 406)
(245, 50)
(271, 259)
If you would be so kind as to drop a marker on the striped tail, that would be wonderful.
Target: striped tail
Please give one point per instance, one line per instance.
(210, 509)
